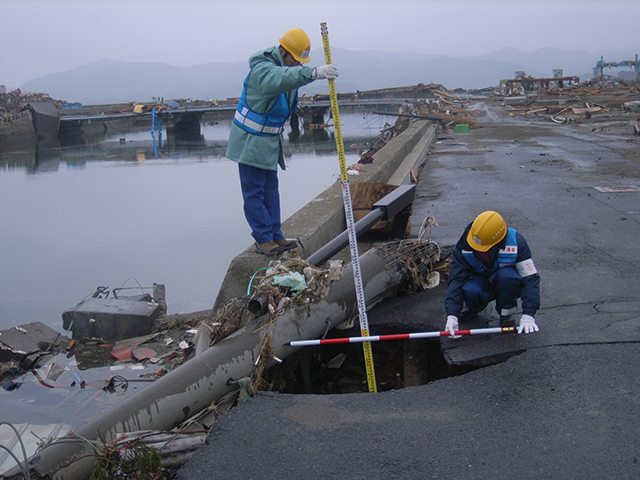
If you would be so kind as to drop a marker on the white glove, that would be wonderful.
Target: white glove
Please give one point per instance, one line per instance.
(527, 324)
(324, 71)
(452, 326)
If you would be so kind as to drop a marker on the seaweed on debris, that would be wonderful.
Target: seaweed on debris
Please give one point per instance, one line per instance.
(135, 460)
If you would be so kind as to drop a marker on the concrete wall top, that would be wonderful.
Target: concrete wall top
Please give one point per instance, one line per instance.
(322, 219)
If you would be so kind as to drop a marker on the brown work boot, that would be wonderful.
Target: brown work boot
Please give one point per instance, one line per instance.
(286, 244)
(269, 248)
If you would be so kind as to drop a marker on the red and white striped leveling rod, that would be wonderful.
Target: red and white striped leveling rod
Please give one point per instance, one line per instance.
(400, 336)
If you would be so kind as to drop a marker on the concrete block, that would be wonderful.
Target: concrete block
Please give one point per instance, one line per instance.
(111, 319)
(18, 343)
(522, 100)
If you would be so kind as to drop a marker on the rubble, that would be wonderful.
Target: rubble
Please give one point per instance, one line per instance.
(613, 109)
(447, 108)
(272, 295)
(438, 105)
(12, 103)
(28, 346)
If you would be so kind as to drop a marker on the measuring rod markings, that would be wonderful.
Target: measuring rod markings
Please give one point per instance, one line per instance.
(348, 211)
(401, 336)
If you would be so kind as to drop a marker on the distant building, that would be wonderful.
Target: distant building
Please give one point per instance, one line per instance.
(3, 89)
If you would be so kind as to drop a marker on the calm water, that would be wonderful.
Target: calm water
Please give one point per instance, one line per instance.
(144, 211)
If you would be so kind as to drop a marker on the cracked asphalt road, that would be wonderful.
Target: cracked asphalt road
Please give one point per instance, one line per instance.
(561, 403)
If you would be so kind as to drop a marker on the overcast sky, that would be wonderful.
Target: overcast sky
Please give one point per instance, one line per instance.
(40, 37)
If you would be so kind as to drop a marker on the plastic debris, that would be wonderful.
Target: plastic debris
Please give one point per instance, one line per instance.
(293, 280)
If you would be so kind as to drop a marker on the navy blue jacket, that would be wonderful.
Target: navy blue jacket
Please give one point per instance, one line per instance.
(461, 271)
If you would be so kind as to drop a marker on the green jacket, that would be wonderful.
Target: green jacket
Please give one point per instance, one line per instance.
(269, 78)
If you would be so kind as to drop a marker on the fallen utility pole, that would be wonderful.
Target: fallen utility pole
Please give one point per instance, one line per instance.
(191, 388)
(400, 336)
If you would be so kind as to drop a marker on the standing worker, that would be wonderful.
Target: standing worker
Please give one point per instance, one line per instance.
(493, 262)
(269, 96)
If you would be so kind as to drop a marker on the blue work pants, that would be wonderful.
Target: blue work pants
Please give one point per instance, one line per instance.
(503, 286)
(261, 202)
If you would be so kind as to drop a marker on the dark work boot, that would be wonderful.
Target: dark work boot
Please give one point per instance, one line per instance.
(507, 321)
(467, 313)
(507, 317)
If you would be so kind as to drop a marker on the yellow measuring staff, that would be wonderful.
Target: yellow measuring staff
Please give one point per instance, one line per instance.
(351, 229)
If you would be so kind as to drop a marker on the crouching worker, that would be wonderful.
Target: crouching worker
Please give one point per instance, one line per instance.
(492, 262)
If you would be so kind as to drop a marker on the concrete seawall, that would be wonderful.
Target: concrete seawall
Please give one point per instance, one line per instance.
(323, 219)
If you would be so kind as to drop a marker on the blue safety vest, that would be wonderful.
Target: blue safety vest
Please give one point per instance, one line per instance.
(506, 255)
(270, 123)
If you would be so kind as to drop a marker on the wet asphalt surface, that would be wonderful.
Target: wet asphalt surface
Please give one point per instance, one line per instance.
(560, 403)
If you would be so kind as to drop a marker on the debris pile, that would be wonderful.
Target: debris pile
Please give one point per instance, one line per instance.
(287, 282)
(420, 258)
(12, 103)
(447, 109)
(607, 109)
(34, 347)
(28, 347)
(440, 106)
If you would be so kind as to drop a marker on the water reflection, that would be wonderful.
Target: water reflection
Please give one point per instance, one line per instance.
(73, 396)
(156, 206)
(38, 156)
(160, 208)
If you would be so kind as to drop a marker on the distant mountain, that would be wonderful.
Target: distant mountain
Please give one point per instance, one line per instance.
(109, 81)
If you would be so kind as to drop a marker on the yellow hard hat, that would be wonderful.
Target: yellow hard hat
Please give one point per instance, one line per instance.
(487, 229)
(297, 43)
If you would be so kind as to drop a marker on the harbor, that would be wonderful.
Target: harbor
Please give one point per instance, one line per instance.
(542, 174)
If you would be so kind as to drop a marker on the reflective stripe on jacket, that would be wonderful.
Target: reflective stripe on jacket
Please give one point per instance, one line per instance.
(263, 88)
(463, 268)
(269, 123)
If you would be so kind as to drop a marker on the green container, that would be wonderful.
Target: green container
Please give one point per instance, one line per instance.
(462, 128)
